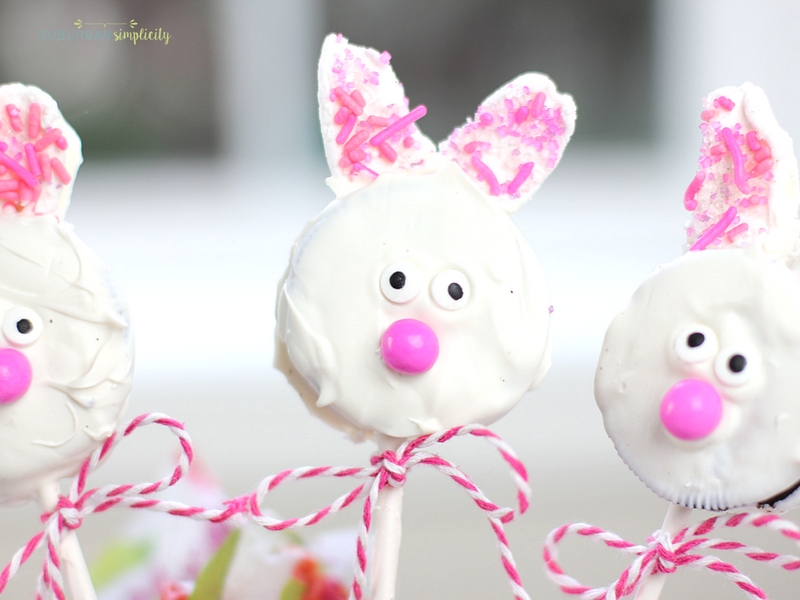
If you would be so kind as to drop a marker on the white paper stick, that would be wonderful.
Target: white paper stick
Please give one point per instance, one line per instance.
(677, 518)
(388, 531)
(73, 565)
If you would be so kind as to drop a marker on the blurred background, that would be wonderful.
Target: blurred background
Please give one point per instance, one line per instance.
(203, 162)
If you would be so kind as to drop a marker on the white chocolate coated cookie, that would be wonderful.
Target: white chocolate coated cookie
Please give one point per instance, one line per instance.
(337, 304)
(61, 317)
(66, 359)
(698, 381)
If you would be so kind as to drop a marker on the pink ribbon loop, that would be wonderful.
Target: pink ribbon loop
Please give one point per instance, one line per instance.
(71, 509)
(663, 554)
(390, 468)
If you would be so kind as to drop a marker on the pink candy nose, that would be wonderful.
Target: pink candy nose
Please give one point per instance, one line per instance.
(15, 375)
(691, 409)
(409, 346)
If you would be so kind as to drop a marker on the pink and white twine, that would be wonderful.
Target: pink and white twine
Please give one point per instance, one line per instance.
(663, 554)
(389, 468)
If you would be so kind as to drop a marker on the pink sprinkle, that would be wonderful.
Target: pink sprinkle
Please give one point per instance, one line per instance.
(361, 167)
(739, 173)
(753, 141)
(61, 143)
(49, 138)
(3, 146)
(401, 123)
(345, 162)
(355, 141)
(346, 100)
(538, 105)
(471, 147)
(738, 230)
(60, 171)
(34, 120)
(341, 115)
(385, 57)
(13, 196)
(762, 167)
(522, 174)
(689, 201)
(359, 99)
(707, 115)
(44, 163)
(21, 172)
(763, 154)
(521, 115)
(715, 231)
(705, 162)
(378, 121)
(7, 185)
(717, 150)
(486, 119)
(388, 152)
(13, 116)
(408, 142)
(357, 155)
(345, 131)
(33, 162)
(488, 174)
(726, 103)
(25, 194)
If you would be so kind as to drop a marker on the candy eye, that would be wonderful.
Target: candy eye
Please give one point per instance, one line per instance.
(450, 289)
(734, 366)
(696, 344)
(401, 282)
(22, 326)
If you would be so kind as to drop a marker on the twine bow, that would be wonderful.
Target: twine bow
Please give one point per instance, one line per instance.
(388, 468)
(70, 510)
(665, 554)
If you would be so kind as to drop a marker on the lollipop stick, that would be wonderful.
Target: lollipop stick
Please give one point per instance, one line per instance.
(388, 531)
(73, 564)
(677, 518)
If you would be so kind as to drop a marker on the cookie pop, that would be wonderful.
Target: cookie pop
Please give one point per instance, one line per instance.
(697, 380)
(412, 303)
(66, 358)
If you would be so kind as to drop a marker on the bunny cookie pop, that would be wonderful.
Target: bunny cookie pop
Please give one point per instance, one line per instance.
(66, 359)
(697, 380)
(412, 303)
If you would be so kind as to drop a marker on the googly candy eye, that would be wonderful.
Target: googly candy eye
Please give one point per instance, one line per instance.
(735, 366)
(450, 289)
(22, 326)
(401, 282)
(696, 344)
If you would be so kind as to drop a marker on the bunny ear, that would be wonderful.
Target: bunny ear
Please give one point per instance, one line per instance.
(367, 128)
(745, 192)
(39, 153)
(515, 140)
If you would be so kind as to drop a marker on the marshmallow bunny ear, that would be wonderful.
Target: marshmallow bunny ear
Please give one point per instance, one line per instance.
(745, 192)
(39, 153)
(367, 128)
(515, 140)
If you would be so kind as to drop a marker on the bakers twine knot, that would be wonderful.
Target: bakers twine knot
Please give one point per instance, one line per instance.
(392, 467)
(69, 515)
(661, 543)
(664, 554)
(71, 509)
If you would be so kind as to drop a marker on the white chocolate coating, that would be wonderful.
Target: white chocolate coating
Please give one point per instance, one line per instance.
(332, 313)
(750, 305)
(80, 348)
(82, 363)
